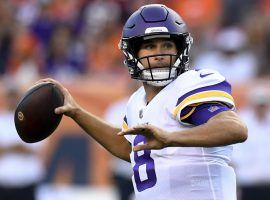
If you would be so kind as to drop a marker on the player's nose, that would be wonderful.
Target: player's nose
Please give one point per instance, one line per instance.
(158, 52)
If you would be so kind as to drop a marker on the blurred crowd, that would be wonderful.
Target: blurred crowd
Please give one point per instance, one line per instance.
(68, 39)
(73, 40)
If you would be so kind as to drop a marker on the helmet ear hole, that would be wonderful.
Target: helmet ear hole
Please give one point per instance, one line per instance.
(135, 46)
(180, 43)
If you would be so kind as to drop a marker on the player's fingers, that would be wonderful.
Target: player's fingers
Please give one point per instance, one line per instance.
(144, 128)
(55, 82)
(50, 80)
(141, 147)
(130, 131)
(36, 84)
(140, 129)
(45, 80)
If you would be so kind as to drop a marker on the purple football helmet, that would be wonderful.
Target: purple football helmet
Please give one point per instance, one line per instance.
(155, 21)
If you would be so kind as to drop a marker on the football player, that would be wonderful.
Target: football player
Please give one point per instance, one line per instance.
(180, 125)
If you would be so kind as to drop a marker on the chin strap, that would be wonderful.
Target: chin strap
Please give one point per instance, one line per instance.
(154, 76)
(159, 83)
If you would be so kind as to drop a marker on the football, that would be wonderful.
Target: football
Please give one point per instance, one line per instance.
(34, 115)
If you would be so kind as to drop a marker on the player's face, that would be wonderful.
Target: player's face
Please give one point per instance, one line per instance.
(157, 46)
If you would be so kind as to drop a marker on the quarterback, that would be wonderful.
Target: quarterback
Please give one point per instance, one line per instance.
(179, 127)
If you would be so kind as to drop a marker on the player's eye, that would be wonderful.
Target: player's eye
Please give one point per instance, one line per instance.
(168, 45)
(148, 46)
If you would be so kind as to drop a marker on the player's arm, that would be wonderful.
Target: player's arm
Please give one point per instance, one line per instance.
(104, 133)
(224, 128)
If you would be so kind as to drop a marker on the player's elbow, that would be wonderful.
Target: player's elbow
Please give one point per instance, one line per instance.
(235, 129)
(240, 131)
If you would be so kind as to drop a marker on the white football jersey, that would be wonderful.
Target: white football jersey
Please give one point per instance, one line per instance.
(180, 173)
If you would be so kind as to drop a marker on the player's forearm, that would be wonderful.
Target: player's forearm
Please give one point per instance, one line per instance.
(217, 132)
(104, 133)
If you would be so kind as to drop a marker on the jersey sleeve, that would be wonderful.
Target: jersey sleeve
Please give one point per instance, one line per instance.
(200, 114)
(215, 93)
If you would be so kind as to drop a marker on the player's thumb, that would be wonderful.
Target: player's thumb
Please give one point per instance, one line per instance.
(60, 110)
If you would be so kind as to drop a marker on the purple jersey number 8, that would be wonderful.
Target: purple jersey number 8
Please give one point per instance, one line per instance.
(144, 159)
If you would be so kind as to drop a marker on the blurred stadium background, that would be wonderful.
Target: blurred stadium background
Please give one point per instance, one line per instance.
(76, 42)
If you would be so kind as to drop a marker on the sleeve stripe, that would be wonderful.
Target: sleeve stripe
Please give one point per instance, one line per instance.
(202, 95)
(124, 126)
(125, 119)
(188, 114)
(222, 86)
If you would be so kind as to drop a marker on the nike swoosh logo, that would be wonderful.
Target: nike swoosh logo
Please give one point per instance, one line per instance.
(204, 75)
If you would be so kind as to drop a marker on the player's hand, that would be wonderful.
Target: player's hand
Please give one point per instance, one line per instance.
(156, 138)
(70, 107)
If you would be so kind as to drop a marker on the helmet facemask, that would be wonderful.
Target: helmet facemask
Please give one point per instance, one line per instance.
(158, 75)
